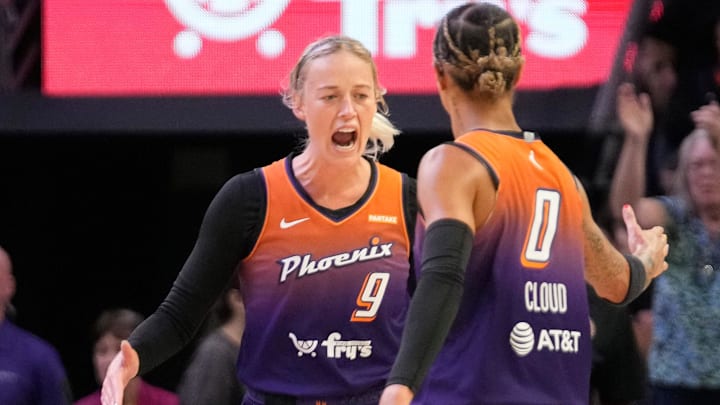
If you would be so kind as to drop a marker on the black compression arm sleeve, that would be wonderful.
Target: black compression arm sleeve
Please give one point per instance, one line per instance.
(445, 254)
(226, 236)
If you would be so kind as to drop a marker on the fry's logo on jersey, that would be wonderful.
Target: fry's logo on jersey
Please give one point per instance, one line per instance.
(336, 348)
(306, 265)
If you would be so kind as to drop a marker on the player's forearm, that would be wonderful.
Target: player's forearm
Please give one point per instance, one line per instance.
(446, 251)
(606, 270)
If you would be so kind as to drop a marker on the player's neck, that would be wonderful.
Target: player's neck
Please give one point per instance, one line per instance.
(332, 186)
(498, 115)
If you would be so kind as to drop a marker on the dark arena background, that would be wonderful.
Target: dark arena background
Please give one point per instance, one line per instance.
(118, 125)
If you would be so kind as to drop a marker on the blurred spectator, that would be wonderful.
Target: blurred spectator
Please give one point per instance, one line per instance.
(699, 63)
(211, 376)
(31, 372)
(653, 127)
(651, 65)
(654, 79)
(684, 363)
(111, 328)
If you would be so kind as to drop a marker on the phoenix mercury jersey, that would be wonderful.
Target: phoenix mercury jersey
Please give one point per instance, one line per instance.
(521, 335)
(325, 297)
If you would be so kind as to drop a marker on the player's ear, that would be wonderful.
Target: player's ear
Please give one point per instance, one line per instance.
(440, 76)
(298, 108)
(521, 66)
(299, 113)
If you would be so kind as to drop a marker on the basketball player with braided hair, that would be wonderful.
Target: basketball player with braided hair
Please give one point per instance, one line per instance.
(506, 243)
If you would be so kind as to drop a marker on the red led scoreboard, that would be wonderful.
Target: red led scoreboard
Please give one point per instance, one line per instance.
(233, 47)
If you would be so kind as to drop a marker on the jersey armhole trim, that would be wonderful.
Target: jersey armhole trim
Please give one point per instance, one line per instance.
(476, 155)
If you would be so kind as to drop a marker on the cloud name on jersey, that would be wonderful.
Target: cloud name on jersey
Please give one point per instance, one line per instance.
(544, 298)
(305, 265)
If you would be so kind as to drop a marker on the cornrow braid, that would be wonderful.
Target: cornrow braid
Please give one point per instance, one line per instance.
(492, 72)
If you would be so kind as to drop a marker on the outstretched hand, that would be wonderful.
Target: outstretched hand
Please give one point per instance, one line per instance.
(396, 394)
(122, 369)
(649, 245)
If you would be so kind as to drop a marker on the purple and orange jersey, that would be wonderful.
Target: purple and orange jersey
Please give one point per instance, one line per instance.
(522, 332)
(326, 298)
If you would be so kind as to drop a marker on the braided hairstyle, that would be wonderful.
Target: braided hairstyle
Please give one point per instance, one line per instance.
(478, 44)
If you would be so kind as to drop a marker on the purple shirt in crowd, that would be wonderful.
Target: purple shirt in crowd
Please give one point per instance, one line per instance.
(31, 372)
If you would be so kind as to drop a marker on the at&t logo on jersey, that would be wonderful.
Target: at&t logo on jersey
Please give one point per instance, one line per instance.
(546, 298)
(306, 265)
(336, 348)
(522, 340)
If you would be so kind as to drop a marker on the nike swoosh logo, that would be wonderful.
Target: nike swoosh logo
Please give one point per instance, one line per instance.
(533, 161)
(285, 225)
